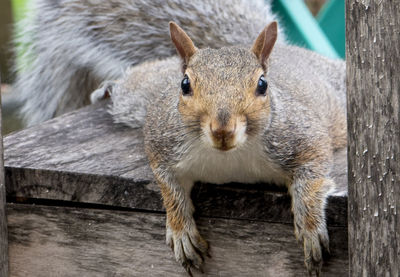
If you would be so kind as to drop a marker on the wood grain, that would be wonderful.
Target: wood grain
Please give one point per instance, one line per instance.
(83, 156)
(373, 86)
(59, 241)
(3, 220)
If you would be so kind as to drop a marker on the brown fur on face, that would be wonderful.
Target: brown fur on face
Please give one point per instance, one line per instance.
(223, 84)
(223, 98)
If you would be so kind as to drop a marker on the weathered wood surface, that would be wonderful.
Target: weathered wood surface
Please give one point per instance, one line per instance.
(85, 157)
(3, 220)
(59, 241)
(373, 87)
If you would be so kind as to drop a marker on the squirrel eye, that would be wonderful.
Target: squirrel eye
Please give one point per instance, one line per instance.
(185, 85)
(262, 86)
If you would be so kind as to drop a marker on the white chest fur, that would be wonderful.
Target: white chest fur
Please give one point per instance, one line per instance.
(247, 164)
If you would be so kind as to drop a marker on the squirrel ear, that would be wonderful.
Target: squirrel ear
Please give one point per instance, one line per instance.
(265, 41)
(184, 45)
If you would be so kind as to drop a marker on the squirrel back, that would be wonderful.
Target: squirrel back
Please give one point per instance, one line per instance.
(71, 46)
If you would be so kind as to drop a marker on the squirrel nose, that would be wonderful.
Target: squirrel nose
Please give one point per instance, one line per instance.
(222, 133)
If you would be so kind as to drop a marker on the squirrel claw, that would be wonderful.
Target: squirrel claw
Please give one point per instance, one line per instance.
(314, 267)
(313, 252)
(189, 249)
(201, 269)
(187, 268)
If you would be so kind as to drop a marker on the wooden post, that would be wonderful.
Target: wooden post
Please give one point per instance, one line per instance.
(373, 101)
(5, 39)
(3, 219)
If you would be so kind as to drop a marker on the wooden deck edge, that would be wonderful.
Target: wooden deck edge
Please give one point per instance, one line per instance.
(60, 241)
(253, 202)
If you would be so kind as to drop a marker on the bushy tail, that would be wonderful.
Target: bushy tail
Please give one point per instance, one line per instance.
(74, 45)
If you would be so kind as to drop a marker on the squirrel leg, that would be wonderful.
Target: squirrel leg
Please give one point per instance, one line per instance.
(309, 196)
(181, 230)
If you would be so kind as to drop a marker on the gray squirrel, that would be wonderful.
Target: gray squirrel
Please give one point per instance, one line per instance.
(71, 46)
(238, 113)
(262, 113)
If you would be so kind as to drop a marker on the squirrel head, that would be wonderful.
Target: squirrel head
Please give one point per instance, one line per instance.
(225, 91)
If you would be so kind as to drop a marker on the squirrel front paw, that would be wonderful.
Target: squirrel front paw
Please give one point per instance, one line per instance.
(313, 242)
(309, 198)
(188, 246)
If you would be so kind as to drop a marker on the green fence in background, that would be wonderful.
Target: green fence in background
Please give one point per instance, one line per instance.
(331, 19)
(324, 34)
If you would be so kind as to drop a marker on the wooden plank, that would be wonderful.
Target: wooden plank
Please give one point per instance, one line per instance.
(59, 241)
(3, 220)
(373, 86)
(85, 157)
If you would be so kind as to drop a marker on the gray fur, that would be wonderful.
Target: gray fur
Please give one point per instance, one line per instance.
(75, 45)
(297, 140)
(143, 83)
(290, 67)
(293, 132)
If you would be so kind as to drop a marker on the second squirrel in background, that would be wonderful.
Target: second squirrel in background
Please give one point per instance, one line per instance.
(267, 113)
